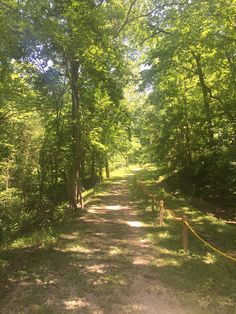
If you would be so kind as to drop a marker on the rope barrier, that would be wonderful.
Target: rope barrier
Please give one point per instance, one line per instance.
(208, 244)
(173, 216)
(145, 190)
(188, 225)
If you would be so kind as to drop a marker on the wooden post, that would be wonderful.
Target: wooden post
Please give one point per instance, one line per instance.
(153, 202)
(185, 233)
(161, 212)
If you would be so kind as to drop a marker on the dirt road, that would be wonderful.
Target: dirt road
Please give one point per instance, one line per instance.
(102, 264)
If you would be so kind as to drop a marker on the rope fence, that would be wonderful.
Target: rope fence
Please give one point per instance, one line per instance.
(185, 224)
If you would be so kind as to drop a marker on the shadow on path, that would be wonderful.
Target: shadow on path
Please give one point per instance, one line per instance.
(102, 264)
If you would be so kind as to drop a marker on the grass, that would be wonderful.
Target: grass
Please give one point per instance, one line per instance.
(200, 275)
(61, 262)
(43, 239)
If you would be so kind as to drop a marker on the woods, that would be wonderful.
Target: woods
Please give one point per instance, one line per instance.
(190, 115)
(63, 69)
(82, 82)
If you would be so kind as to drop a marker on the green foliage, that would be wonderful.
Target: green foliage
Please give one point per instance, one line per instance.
(189, 119)
(70, 104)
(200, 273)
(63, 68)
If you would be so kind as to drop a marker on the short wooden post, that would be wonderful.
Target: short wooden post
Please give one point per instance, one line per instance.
(153, 202)
(161, 212)
(185, 233)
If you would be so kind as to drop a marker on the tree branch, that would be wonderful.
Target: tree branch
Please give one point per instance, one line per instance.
(2, 4)
(126, 21)
(130, 20)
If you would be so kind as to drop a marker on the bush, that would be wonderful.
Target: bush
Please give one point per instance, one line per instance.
(212, 177)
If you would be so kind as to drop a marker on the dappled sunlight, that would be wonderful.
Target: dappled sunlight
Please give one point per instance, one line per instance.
(160, 262)
(76, 303)
(70, 236)
(119, 182)
(99, 268)
(93, 210)
(137, 169)
(165, 251)
(113, 207)
(135, 224)
(135, 308)
(74, 248)
(115, 250)
(209, 258)
(164, 235)
(142, 260)
(105, 264)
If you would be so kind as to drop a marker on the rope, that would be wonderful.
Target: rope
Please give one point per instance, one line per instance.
(173, 216)
(208, 244)
(190, 228)
(148, 193)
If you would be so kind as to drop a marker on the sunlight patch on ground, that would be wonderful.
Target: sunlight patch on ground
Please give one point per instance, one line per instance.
(136, 169)
(135, 224)
(164, 235)
(69, 236)
(166, 251)
(140, 260)
(209, 258)
(113, 207)
(166, 262)
(114, 250)
(135, 308)
(93, 210)
(75, 303)
(100, 269)
(75, 248)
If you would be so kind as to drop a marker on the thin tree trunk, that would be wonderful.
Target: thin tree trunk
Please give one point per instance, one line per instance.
(205, 98)
(75, 192)
(92, 169)
(187, 129)
(100, 173)
(107, 168)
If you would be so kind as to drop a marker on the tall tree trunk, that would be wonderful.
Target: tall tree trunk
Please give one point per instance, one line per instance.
(187, 129)
(205, 98)
(75, 192)
(100, 174)
(92, 169)
(107, 168)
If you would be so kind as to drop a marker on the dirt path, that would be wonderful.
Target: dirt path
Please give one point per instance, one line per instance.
(102, 264)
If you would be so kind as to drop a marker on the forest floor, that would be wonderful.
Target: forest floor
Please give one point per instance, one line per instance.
(102, 263)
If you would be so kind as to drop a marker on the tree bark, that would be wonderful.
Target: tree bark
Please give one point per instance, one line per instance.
(75, 192)
(92, 169)
(187, 128)
(205, 98)
(107, 168)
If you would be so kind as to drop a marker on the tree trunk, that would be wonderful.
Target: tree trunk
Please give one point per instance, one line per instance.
(75, 192)
(205, 98)
(107, 168)
(187, 128)
(92, 169)
(100, 173)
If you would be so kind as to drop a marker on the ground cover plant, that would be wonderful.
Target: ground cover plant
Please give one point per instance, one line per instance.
(200, 275)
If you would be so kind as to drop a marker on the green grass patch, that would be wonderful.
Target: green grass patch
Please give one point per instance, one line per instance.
(45, 239)
(201, 276)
